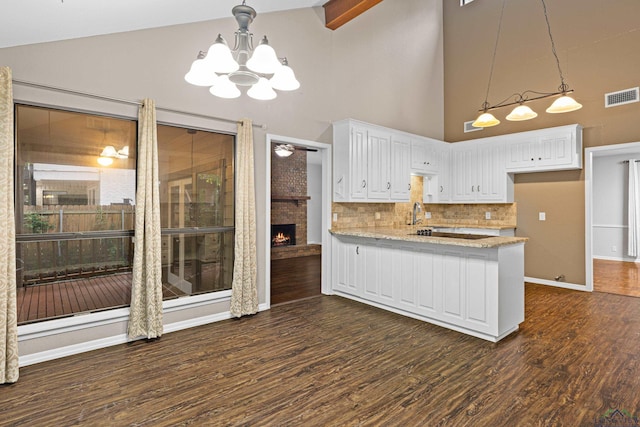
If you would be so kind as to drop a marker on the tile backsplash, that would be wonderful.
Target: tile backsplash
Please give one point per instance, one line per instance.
(351, 215)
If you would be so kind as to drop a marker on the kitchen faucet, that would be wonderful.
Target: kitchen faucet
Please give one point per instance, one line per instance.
(417, 207)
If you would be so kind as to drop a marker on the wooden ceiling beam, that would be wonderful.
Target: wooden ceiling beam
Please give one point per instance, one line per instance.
(339, 12)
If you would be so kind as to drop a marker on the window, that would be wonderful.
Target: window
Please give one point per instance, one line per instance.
(197, 210)
(75, 216)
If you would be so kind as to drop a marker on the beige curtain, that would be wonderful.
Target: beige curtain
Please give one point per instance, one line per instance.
(244, 290)
(146, 293)
(8, 312)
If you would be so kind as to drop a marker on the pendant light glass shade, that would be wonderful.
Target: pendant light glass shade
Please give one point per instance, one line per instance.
(486, 120)
(284, 78)
(264, 59)
(201, 73)
(262, 90)
(109, 151)
(520, 113)
(224, 88)
(564, 104)
(219, 57)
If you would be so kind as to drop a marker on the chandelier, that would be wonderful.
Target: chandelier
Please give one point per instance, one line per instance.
(259, 69)
(563, 104)
(109, 153)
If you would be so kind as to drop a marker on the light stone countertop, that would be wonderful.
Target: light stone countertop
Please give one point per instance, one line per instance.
(404, 234)
(430, 224)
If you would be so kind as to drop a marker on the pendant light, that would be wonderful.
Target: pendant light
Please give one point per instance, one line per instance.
(259, 69)
(521, 112)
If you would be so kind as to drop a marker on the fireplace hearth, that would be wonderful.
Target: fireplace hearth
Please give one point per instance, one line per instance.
(283, 235)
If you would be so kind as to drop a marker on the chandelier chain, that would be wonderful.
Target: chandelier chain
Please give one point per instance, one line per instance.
(485, 104)
(563, 86)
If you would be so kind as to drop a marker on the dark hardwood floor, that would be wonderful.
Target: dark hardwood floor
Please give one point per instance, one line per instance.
(616, 277)
(329, 361)
(295, 278)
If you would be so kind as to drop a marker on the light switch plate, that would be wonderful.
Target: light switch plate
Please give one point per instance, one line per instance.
(335, 216)
(427, 215)
(542, 216)
(487, 215)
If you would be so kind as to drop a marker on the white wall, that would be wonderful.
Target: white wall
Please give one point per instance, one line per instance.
(610, 201)
(314, 205)
(385, 67)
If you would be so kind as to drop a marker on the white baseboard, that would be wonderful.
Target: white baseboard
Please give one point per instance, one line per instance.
(619, 259)
(70, 350)
(565, 285)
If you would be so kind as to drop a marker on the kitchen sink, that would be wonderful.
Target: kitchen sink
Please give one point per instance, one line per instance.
(453, 235)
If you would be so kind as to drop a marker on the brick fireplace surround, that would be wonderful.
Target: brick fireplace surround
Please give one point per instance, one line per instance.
(289, 202)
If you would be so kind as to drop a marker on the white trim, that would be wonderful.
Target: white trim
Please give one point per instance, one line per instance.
(609, 226)
(83, 347)
(589, 154)
(618, 259)
(565, 285)
(326, 209)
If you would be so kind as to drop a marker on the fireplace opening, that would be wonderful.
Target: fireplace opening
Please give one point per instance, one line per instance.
(283, 235)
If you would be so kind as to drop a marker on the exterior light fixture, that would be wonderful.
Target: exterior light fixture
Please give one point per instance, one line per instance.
(109, 153)
(563, 104)
(259, 69)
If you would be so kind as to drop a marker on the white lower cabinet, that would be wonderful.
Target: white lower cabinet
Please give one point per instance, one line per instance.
(478, 291)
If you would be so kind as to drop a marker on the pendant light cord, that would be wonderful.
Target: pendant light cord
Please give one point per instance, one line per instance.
(563, 86)
(485, 104)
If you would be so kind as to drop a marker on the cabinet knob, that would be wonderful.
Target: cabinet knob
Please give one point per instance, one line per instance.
(539, 158)
(473, 189)
(409, 187)
(532, 159)
(441, 188)
(364, 183)
(357, 250)
(388, 185)
(478, 188)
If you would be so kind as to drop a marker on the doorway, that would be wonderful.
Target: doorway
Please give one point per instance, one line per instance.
(179, 203)
(609, 267)
(302, 270)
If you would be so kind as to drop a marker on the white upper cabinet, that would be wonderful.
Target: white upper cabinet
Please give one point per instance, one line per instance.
(552, 149)
(370, 163)
(400, 162)
(374, 164)
(478, 173)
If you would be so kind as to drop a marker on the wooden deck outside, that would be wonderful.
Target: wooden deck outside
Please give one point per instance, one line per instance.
(62, 299)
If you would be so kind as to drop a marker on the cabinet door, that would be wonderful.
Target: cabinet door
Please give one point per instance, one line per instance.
(491, 174)
(521, 153)
(418, 155)
(378, 165)
(349, 266)
(400, 164)
(463, 173)
(358, 158)
(555, 149)
(444, 176)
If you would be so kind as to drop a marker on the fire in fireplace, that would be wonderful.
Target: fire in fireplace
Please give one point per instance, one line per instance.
(283, 235)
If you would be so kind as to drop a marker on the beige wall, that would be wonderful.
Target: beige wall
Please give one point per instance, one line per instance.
(383, 67)
(597, 43)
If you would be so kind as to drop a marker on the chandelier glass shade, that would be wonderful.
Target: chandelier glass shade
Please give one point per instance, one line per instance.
(521, 112)
(283, 150)
(224, 69)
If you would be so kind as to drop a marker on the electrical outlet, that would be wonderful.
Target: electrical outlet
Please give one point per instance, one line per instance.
(614, 249)
(487, 215)
(377, 215)
(335, 216)
(427, 215)
(542, 216)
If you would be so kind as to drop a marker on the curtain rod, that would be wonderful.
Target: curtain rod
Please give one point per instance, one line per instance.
(125, 101)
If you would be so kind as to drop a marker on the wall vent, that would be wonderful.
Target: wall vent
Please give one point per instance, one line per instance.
(469, 127)
(463, 2)
(627, 96)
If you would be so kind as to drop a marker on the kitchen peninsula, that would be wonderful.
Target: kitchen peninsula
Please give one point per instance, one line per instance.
(471, 285)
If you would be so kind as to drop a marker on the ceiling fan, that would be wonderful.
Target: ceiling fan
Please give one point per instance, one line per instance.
(285, 150)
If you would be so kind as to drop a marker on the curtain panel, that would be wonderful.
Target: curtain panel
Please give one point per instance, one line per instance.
(633, 219)
(244, 290)
(146, 292)
(8, 310)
